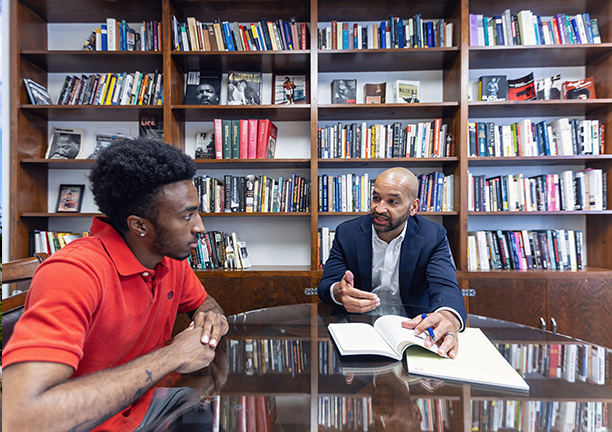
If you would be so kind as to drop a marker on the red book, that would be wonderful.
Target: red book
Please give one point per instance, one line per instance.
(556, 31)
(251, 414)
(252, 143)
(436, 132)
(244, 139)
(244, 38)
(266, 413)
(242, 419)
(266, 141)
(303, 35)
(554, 364)
(218, 139)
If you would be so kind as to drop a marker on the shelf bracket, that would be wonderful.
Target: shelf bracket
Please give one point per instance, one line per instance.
(310, 291)
(469, 292)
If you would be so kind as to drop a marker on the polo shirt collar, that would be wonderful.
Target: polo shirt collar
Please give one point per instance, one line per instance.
(119, 252)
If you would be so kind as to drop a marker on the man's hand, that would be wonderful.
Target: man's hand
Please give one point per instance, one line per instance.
(210, 380)
(354, 300)
(189, 345)
(445, 326)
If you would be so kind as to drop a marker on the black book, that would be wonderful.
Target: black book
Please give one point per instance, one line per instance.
(493, 88)
(37, 93)
(203, 88)
(344, 91)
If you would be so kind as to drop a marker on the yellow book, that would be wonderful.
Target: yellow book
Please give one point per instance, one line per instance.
(272, 36)
(111, 88)
(263, 194)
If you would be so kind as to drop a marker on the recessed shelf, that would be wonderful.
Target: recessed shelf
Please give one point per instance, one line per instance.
(297, 61)
(538, 160)
(537, 108)
(237, 112)
(389, 111)
(76, 62)
(93, 112)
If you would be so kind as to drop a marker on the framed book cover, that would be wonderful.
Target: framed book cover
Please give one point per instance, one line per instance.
(406, 91)
(581, 89)
(492, 88)
(65, 143)
(203, 88)
(548, 88)
(70, 198)
(344, 91)
(38, 94)
(244, 88)
(522, 89)
(374, 93)
(205, 145)
(289, 89)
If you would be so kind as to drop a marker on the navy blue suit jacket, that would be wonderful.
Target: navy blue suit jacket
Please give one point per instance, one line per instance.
(427, 276)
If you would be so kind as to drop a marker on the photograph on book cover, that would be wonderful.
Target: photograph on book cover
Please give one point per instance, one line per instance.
(38, 94)
(521, 89)
(344, 91)
(65, 143)
(581, 89)
(205, 145)
(548, 88)
(289, 89)
(107, 136)
(406, 91)
(70, 198)
(203, 88)
(152, 128)
(244, 88)
(374, 93)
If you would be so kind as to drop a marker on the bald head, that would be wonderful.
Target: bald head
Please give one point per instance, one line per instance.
(403, 178)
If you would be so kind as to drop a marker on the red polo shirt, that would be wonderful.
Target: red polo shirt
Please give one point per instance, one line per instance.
(93, 306)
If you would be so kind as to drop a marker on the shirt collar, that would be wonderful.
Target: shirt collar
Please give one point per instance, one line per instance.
(118, 250)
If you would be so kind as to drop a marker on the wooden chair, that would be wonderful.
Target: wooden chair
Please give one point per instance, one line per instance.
(12, 307)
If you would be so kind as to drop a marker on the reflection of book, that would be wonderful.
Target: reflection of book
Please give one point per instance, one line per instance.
(581, 89)
(548, 88)
(374, 93)
(386, 337)
(244, 88)
(38, 94)
(521, 89)
(492, 88)
(406, 91)
(477, 361)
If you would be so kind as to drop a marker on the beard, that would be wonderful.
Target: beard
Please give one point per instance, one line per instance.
(163, 246)
(393, 223)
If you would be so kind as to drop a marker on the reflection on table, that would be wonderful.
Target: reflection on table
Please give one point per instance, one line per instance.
(278, 370)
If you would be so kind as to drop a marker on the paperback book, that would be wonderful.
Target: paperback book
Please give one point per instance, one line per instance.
(344, 91)
(374, 93)
(205, 145)
(521, 89)
(581, 89)
(406, 91)
(548, 88)
(244, 88)
(65, 143)
(203, 88)
(492, 88)
(38, 94)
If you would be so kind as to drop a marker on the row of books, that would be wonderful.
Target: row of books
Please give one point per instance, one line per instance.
(393, 33)
(584, 362)
(239, 139)
(421, 140)
(436, 414)
(345, 193)
(532, 416)
(136, 88)
(268, 356)
(325, 239)
(525, 250)
(436, 192)
(562, 137)
(525, 28)
(345, 413)
(264, 35)
(253, 194)
(50, 241)
(219, 250)
(252, 413)
(117, 35)
(568, 191)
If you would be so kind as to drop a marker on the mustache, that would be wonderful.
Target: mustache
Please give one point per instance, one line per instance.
(380, 216)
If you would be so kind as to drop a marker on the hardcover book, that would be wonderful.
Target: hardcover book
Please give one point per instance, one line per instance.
(152, 128)
(266, 141)
(38, 94)
(374, 93)
(492, 88)
(581, 89)
(522, 89)
(244, 88)
(344, 91)
(203, 88)
(548, 88)
(406, 91)
(205, 145)
(289, 89)
(65, 143)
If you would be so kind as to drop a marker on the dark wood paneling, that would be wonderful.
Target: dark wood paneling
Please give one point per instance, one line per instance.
(582, 308)
(521, 301)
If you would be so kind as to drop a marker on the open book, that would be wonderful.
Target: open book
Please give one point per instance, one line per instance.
(387, 337)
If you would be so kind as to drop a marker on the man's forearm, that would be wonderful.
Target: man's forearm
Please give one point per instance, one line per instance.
(82, 403)
(209, 305)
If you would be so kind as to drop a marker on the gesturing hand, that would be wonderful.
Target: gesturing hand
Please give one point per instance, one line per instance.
(354, 300)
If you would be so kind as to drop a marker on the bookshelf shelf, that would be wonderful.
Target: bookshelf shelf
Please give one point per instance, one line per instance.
(58, 215)
(293, 62)
(386, 111)
(92, 112)
(234, 112)
(365, 213)
(74, 62)
(386, 162)
(299, 271)
(253, 164)
(538, 273)
(258, 214)
(538, 108)
(536, 56)
(540, 213)
(537, 160)
(58, 11)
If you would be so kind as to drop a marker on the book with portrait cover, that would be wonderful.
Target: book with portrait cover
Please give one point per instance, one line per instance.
(203, 88)
(205, 145)
(37, 93)
(581, 89)
(405, 91)
(374, 93)
(244, 88)
(344, 91)
(492, 88)
(548, 88)
(521, 89)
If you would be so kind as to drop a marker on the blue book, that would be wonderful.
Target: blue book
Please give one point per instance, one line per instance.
(589, 30)
(576, 32)
(266, 34)
(541, 30)
(383, 34)
(401, 38)
(439, 191)
(104, 37)
(261, 42)
(430, 35)
(545, 137)
(291, 192)
(123, 36)
(325, 180)
(499, 30)
(289, 39)
(485, 24)
(345, 36)
(228, 36)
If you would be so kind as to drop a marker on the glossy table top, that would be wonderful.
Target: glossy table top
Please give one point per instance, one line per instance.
(278, 369)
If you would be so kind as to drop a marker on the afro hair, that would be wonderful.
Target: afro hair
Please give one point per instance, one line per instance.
(128, 174)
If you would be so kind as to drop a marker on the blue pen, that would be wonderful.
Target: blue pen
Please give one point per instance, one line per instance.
(429, 330)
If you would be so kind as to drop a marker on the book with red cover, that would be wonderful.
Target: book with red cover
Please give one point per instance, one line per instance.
(244, 139)
(252, 143)
(581, 89)
(218, 139)
(522, 89)
(266, 139)
(266, 413)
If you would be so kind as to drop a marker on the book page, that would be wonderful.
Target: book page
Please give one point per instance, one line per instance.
(390, 327)
(360, 338)
(477, 361)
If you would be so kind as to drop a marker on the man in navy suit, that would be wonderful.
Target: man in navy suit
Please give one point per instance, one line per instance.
(393, 258)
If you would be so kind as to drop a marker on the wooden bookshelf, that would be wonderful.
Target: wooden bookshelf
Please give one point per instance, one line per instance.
(534, 293)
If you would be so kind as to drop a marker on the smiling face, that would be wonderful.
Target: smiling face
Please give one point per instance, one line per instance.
(393, 201)
(177, 223)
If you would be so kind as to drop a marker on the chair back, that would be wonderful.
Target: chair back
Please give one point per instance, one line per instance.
(12, 307)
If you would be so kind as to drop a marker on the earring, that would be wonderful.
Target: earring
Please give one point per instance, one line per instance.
(142, 234)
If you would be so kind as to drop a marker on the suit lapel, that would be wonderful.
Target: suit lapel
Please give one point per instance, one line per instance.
(411, 248)
(363, 247)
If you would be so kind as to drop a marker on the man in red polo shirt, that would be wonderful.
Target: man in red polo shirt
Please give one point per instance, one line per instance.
(83, 354)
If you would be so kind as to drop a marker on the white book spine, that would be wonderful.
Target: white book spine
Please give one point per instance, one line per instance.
(111, 28)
